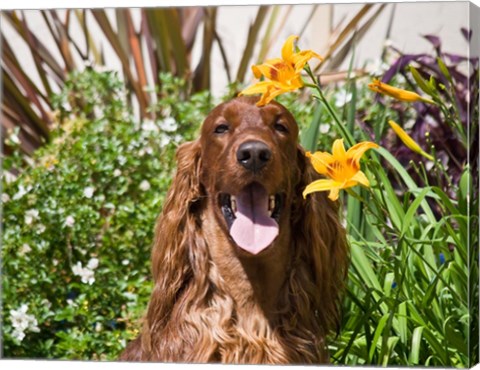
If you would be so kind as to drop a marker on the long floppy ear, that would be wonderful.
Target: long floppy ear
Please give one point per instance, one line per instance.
(171, 258)
(322, 246)
(182, 197)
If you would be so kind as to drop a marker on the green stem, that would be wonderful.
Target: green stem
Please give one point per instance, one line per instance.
(343, 131)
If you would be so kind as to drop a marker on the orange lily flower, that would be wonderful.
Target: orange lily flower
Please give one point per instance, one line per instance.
(408, 141)
(282, 74)
(404, 95)
(341, 167)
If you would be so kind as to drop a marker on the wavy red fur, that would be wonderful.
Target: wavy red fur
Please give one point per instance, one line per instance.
(212, 301)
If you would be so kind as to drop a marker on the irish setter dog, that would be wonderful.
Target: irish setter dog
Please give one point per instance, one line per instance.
(245, 270)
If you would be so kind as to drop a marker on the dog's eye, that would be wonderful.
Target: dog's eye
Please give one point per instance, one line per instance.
(221, 129)
(280, 128)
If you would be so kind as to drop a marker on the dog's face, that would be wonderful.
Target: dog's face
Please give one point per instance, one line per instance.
(250, 169)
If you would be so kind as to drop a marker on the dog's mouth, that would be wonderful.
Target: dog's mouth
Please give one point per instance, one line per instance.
(252, 217)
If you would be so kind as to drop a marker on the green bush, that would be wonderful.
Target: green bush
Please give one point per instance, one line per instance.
(78, 222)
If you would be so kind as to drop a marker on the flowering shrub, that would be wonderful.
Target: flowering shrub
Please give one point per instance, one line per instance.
(78, 222)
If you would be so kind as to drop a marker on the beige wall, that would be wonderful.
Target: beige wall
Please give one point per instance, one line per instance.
(411, 20)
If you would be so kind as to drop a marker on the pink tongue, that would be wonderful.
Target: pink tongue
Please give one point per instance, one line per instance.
(253, 229)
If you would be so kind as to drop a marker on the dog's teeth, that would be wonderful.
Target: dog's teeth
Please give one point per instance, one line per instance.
(271, 203)
(233, 204)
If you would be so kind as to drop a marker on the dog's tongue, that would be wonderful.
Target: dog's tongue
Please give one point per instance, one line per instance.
(253, 229)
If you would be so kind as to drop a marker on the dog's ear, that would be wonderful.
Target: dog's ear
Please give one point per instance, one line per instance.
(171, 265)
(321, 244)
(182, 197)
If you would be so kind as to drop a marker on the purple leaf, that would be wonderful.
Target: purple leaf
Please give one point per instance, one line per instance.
(466, 33)
(399, 65)
(435, 41)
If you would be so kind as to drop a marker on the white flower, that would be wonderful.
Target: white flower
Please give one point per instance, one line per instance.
(169, 124)
(324, 128)
(33, 326)
(30, 215)
(125, 262)
(117, 172)
(130, 296)
(98, 327)
(25, 249)
(122, 160)
(144, 185)
(41, 228)
(14, 138)
(69, 221)
(177, 138)
(88, 276)
(164, 140)
(149, 125)
(22, 322)
(5, 197)
(85, 273)
(429, 165)
(21, 192)
(70, 302)
(19, 317)
(88, 192)
(342, 98)
(18, 334)
(93, 263)
(77, 269)
(141, 152)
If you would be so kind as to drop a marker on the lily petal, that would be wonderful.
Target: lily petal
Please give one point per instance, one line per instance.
(338, 150)
(356, 151)
(320, 161)
(259, 88)
(271, 93)
(301, 58)
(269, 69)
(361, 179)
(288, 47)
(333, 196)
(320, 185)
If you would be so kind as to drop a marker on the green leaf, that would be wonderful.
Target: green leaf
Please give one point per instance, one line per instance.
(407, 179)
(378, 332)
(444, 69)
(309, 137)
(464, 192)
(416, 345)
(422, 84)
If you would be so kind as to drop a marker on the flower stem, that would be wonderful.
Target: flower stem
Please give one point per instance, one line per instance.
(316, 85)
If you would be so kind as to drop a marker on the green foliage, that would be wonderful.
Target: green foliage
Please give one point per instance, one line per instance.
(411, 243)
(92, 195)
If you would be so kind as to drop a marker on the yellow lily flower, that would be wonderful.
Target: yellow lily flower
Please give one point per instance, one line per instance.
(282, 74)
(408, 141)
(404, 95)
(342, 167)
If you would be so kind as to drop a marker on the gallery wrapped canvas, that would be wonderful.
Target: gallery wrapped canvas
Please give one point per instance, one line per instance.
(262, 184)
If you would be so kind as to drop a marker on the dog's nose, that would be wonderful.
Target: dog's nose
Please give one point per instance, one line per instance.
(253, 155)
